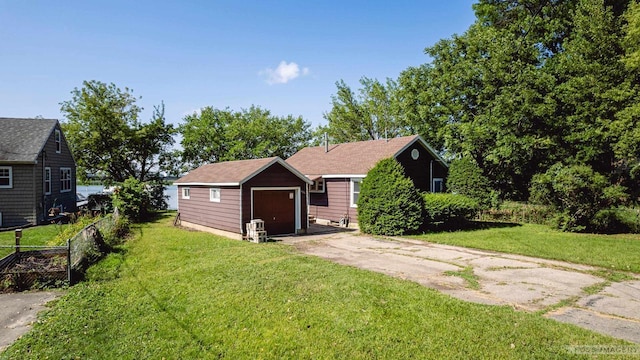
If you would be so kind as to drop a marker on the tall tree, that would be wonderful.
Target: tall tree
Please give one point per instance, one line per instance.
(367, 115)
(106, 136)
(216, 135)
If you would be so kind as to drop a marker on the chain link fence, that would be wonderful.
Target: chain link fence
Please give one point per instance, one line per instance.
(30, 267)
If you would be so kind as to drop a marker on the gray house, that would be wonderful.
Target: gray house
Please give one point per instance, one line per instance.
(37, 171)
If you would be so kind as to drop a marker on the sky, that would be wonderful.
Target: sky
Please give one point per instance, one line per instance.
(284, 56)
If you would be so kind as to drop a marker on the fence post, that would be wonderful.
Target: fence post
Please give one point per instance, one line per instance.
(69, 261)
(18, 237)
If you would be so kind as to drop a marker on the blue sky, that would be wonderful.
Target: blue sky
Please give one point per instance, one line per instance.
(284, 56)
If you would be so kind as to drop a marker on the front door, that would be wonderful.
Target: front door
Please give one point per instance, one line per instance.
(278, 210)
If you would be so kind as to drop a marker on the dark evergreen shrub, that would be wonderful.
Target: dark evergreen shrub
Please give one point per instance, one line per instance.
(444, 208)
(578, 193)
(388, 203)
(466, 178)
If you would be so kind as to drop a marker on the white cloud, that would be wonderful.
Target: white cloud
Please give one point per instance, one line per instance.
(284, 73)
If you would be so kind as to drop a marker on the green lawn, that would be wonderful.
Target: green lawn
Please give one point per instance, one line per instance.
(614, 252)
(178, 294)
(37, 235)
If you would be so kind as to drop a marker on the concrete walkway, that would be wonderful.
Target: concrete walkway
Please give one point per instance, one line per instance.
(18, 311)
(525, 283)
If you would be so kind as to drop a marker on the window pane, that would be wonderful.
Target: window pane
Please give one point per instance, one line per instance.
(4, 181)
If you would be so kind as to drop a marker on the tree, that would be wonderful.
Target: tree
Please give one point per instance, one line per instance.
(577, 192)
(368, 115)
(216, 135)
(389, 203)
(106, 136)
(466, 178)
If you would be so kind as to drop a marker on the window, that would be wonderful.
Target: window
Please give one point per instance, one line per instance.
(47, 180)
(58, 138)
(317, 186)
(186, 193)
(438, 185)
(65, 179)
(355, 191)
(6, 177)
(214, 194)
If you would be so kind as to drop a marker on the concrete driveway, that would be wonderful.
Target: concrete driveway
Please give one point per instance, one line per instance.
(18, 311)
(525, 283)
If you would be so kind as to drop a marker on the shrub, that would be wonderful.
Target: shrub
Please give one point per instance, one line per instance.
(577, 192)
(388, 203)
(444, 208)
(466, 178)
(617, 221)
(136, 200)
(518, 212)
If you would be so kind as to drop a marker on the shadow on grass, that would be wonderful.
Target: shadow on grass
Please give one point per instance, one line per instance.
(463, 225)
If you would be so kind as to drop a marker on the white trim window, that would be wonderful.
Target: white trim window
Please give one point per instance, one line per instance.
(438, 185)
(58, 138)
(317, 186)
(65, 180)
(355, 191)
(47, 181)
(214, 194)
(186, 193)
(6, 177)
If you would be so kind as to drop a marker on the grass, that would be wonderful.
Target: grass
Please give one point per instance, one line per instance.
(37, 235)
(469, 277)
(171, 293)
(613, 252)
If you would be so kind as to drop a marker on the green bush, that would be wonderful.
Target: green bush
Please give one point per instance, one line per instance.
(443, 208)
(466, 178)
(617, 221)
(578, 193)
(388, 203)
(137, 200)
(519, 212)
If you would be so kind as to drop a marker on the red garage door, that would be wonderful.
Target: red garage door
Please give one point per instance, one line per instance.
(278, 210)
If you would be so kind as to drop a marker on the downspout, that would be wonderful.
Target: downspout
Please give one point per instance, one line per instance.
(431, 176)
(44, 190)
(241, 214)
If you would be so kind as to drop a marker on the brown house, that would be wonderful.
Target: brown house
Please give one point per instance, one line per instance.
(37, 171)
(337, 170)
(223, 197)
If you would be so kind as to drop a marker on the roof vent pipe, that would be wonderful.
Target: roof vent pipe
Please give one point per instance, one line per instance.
(326, 143)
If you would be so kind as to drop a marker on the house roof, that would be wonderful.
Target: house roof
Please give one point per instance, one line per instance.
(233, 173)
(354, 158)
(22, 140)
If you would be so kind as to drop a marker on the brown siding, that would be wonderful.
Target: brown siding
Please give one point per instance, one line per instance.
(419, 170)
(198, 209)
(334, 202)
(274, 176)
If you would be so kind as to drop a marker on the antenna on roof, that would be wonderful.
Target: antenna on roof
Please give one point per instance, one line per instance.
(326, 142)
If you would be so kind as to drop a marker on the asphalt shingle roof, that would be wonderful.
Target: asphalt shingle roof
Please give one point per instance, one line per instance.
(354, 158)
(232, 172)
(21, 140)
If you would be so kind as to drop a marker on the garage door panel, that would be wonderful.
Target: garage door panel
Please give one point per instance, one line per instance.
(277, 209)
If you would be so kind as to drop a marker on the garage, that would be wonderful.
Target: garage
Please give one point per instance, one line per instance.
(277, 208)
(224, 197)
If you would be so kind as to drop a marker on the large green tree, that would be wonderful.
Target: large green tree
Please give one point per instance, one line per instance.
(532, 83)
(106, 136)
(365, 115)
(214, 135)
